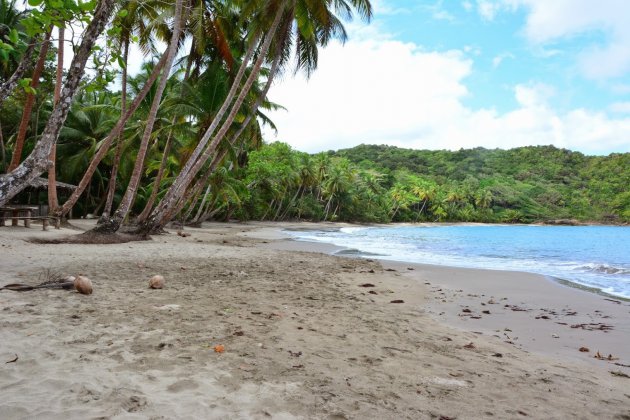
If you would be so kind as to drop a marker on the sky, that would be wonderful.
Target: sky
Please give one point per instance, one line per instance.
(457, 74)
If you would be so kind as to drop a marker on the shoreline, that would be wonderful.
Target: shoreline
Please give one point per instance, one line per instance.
(354, 252)
(305, 334)
(458, 295)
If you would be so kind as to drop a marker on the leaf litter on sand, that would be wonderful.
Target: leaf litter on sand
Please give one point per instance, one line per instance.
(610, 357)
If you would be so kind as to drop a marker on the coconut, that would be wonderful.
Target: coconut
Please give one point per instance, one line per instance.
(83, 285)
(156, 282)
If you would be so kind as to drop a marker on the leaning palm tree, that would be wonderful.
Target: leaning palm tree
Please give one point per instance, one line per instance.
(28, 104)
(132, 188)
(132, 18)
(315, 25)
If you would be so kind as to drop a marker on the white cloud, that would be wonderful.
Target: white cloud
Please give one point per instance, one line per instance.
(533, 95)
(438, 12)
(550, 21)
(497, 60)
(388, 92)
(487, 9)
(621, 89)
(382, 7)
(620, 107)
(472, 49)
(467, 5)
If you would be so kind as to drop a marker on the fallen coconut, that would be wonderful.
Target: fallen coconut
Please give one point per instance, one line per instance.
(156, 282)
(83, 285)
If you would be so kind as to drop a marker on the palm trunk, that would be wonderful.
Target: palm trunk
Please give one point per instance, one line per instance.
(2, 149)
(7, 87)
(191, 207)
(206, 211)
(291, 203)
(272, 74)
(104, 148)
(53, 202)
(200, 210)
(114, 222)
(111, 187)
(158, 218)
(217, 120)
(28, 105)
(158, 179)
(196, 189)
(37, 162)
(328, 207)
(269, 207)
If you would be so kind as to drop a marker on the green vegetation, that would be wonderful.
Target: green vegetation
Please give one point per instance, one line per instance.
(182, 138)
(385, 183)
(142, 150)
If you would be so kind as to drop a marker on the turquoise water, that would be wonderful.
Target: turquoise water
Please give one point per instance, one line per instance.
(593, 256)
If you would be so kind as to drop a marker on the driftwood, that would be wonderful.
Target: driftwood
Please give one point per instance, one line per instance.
(50, 284)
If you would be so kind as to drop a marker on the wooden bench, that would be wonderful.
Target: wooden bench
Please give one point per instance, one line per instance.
(25, 214)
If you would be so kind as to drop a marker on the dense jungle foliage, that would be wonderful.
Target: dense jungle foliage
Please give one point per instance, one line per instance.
(384, 183)
(142, 148)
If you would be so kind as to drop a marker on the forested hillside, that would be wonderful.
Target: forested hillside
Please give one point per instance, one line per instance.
(384, 183)
(527, 183)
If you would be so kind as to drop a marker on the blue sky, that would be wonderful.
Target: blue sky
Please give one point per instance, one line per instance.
(451, 74)
(503, 56)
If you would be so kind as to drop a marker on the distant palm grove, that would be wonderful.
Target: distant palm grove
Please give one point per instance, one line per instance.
(181, 140)
(389, 184)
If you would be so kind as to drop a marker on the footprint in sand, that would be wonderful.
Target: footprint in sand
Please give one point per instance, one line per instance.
(183, 385)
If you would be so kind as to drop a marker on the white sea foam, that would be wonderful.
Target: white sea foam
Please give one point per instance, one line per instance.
(596, 257)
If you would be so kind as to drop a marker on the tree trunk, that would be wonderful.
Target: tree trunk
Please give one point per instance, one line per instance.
(111, 188)
(218, 158)
(28, 104)
(37, 162)
(113, 223)
(200, 210)
(175, 192)
(7, 87)
(2, 149)
(195, 190)
(158, 179)
(53, 202)
(291, 203)
(106, 143)
(157, 220)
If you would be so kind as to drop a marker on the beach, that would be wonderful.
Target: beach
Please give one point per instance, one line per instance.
(252, 324)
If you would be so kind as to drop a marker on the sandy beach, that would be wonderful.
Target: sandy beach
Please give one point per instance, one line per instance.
(303, 334)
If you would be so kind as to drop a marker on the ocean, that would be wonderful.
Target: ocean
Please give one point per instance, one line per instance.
(592, 256)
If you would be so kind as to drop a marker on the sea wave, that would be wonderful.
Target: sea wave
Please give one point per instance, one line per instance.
(593, 257)
(352, 229)
(603, 269)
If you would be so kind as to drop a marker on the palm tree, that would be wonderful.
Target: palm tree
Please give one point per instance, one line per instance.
(483, 199)
(123, 209)
(37, 162)
(10, 18)
(104, 148)
(132, 18)
(28, 104)
(339, 178)
(316, 25)
(53, 202)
